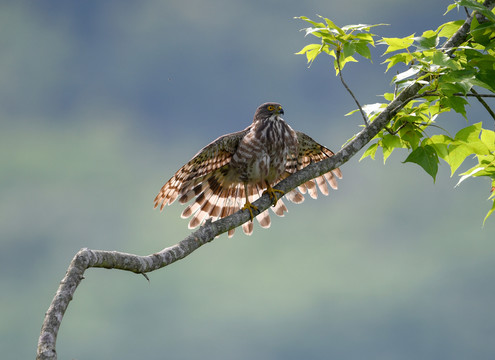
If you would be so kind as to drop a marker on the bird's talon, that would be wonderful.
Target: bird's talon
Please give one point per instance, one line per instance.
(250, 207)
(272, 193)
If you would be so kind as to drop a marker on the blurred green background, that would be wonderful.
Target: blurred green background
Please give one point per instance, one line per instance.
(100, 103)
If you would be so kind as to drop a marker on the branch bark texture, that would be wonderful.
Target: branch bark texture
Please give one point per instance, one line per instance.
(87, 258)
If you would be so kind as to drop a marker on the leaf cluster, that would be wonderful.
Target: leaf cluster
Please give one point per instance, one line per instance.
(341, 43)
(448, 80)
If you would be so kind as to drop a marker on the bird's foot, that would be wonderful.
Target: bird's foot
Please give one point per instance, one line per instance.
(250, 207)
(272, 193)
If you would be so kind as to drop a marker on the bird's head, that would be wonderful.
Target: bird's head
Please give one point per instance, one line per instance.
(268, 110)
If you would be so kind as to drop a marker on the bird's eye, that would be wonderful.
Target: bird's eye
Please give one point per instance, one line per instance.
(271, 107)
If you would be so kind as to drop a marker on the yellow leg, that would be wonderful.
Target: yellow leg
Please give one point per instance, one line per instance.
(273, 194)
(248, 204)
(250, 207)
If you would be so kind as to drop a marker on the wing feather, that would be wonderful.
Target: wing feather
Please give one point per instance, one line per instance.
(264, 217)
(309, 151)
(212, 157)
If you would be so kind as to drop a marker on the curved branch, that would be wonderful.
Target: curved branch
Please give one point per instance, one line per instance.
(87, 258)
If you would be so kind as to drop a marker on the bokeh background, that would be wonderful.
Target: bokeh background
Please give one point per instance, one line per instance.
(100, 103)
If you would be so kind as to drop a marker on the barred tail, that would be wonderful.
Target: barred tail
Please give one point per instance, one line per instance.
(216, 198)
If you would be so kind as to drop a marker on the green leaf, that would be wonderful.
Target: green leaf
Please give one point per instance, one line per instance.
(457, 153)
(320, 25)
(478, 148)
(389, 143)
(441, 144)
(488, 138)
(427, 158)
(454, 152)
(470, 138)
(308, 48)
(450, 7)
(395, 44)
(389, 96)
(318, 32)
(410, 135)
(483, 33)
(462, 77)
(487, 76)
(352, 112)
(343, 61)
(469, 133)
(366, 37)
(429, 34)
(311, 55)
(363, 50)
(448, 29)
(449, 89)
(398, 58)
(489, 212)
(331, 25)
(424, 43)
(327, 50)
(371, 151)
(312, 51)
(349, 49)
(360, 27)
(442, 59)
(456, 103)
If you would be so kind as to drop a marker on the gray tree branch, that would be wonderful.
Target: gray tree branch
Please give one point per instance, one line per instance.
(87, 258)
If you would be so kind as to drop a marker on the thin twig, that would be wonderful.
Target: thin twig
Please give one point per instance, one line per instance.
(483, 102)
(365, 118)
(476, 95)
(392, 132)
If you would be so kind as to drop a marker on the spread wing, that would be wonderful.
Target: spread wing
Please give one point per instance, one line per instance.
(310, 152)
(212, 157)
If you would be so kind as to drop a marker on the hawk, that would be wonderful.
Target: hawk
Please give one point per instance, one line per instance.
(236, 168)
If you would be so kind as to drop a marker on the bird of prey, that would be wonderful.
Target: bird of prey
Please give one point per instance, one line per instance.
(234, 170)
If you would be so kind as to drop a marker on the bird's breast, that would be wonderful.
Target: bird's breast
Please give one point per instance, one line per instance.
(262, 153)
